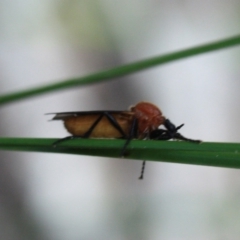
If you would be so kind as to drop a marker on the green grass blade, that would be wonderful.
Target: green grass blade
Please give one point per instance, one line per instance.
(208, 154)
(122, 70)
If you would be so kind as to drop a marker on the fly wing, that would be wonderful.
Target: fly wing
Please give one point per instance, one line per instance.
(64, 115)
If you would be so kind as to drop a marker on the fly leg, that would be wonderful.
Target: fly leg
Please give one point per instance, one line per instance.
(114, 123)
(64, 139)
(170, 133)
(180, 137)
(142, 171)
(89, 131)
(86, 135)
(160, 134)
(110, 118)
(132, 134)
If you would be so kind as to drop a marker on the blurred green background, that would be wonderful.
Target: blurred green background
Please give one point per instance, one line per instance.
(64, 197)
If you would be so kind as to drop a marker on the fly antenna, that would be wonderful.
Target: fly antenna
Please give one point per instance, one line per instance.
(142, 171)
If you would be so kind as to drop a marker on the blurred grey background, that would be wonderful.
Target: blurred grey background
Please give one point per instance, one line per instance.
(64, 197)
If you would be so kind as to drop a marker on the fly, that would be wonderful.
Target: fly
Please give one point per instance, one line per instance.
(142, 121)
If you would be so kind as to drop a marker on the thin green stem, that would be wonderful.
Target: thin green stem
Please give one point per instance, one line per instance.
(207, 154)
(121, 71)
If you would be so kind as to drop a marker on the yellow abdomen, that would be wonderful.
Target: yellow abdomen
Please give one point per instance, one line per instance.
(79, 125)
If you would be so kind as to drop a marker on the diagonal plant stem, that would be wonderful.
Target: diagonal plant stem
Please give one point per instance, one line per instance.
(120, 71)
